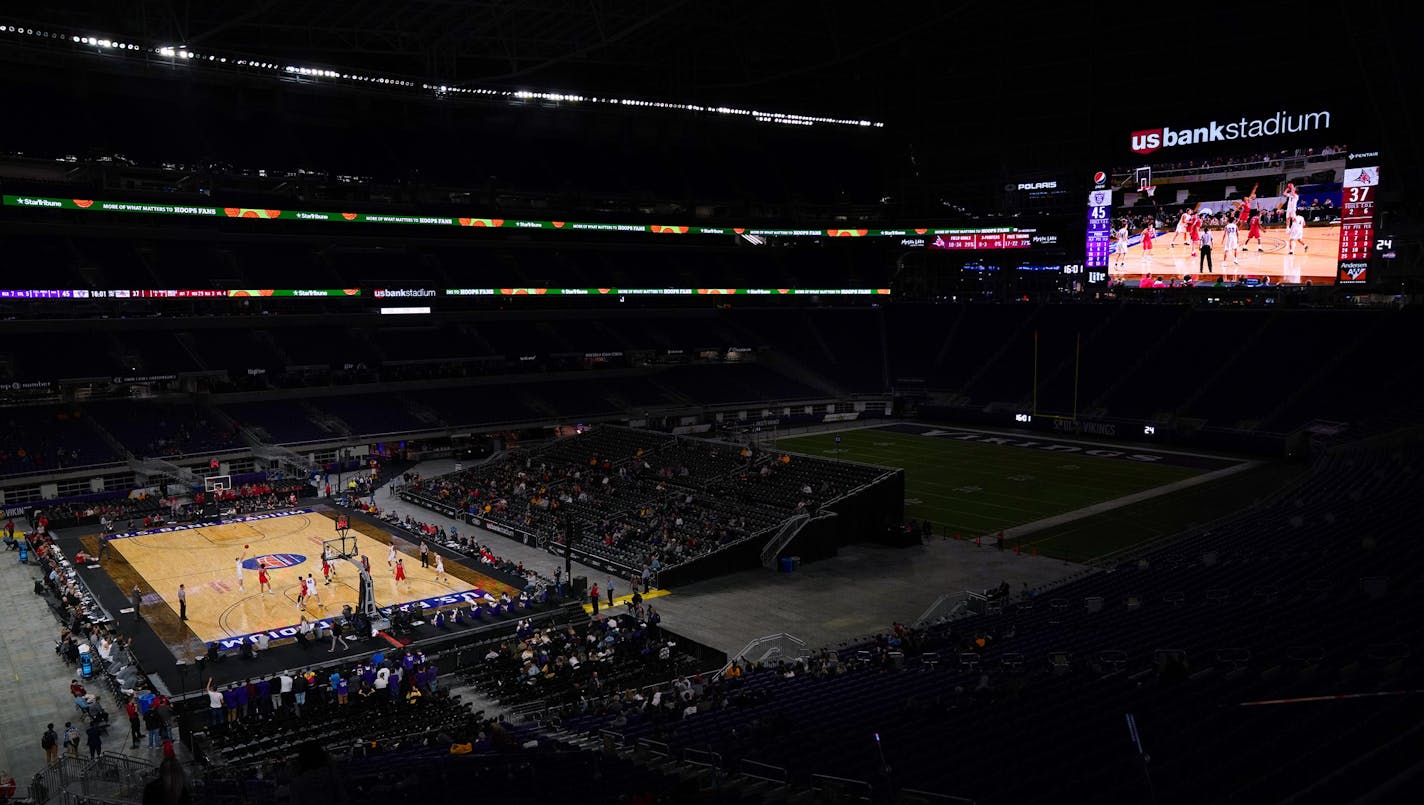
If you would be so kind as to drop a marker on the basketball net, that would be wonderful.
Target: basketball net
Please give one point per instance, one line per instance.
(1150, 190)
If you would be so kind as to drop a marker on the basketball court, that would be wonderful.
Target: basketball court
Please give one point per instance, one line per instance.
(1316, 265)
(289, 545)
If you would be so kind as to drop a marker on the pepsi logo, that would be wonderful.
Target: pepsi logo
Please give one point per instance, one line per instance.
(1099, 177)
(274, 560)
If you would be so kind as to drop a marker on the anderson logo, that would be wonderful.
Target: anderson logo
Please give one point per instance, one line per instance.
(1146, 141)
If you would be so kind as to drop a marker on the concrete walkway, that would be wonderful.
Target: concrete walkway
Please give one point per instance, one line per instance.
(35, 680)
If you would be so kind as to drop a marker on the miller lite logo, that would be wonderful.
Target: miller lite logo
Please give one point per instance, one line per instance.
(274, 560)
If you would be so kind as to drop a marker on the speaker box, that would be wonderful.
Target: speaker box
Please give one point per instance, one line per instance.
(578, 588)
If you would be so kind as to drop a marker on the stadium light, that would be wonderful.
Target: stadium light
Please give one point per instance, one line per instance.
(447, 90)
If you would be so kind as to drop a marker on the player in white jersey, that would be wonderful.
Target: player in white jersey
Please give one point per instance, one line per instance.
(391, 556)
(1230, 248)
(1292, 198)
(439, 568)
(1182, 222)
(1296, 230)
(239, 562)
(1120, 250)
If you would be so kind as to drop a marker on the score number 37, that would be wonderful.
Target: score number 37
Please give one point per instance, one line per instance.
(1358, 195)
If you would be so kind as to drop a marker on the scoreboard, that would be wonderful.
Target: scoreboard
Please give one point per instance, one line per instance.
(982, 240)
(1099, 223)
(1357, 217)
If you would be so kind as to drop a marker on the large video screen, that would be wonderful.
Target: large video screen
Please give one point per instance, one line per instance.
(1255, 218)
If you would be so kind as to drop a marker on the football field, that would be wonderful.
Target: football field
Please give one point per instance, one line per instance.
(976, 483)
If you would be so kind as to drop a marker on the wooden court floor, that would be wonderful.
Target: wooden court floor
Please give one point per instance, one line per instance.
(204, 560)
(1316, 265)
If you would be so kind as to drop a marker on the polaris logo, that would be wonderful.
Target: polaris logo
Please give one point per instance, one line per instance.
(1146, 141)
(1038, 185)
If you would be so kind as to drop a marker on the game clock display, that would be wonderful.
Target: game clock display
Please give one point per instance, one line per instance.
(1357, 222)
(1099, 228)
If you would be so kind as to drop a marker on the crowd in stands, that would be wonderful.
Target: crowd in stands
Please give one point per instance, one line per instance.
(639, 499)
(145, 510)
(569, 665)
(1248, 162)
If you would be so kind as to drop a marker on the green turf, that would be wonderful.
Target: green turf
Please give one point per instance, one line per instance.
(976, 489)
(1120, 529)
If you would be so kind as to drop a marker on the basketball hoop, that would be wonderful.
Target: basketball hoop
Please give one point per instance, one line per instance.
(1150, 190)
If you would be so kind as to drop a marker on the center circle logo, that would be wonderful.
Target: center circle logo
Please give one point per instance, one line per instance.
(274, 560)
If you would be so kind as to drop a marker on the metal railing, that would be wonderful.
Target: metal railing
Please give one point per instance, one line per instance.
(787, 532)
(771, 647)
(109, 778)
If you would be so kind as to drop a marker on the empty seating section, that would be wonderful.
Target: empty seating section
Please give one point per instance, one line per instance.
(978, 334)
(1114, 339)
(844, 345)
(447, 342)
(281, 421)
(373, 414)
(1311, 337)
(728, 384)
(1176, 638)
(48, 438)
(1007, 375)
(153, 430)
(1182, 361)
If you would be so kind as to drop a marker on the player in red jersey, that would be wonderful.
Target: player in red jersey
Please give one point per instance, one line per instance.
(1194, 229)
(1254, 232)
(264, 582)
(1147, 234)
(1243, 215)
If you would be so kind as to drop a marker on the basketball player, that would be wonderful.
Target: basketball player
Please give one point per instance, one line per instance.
(400, 570)
(1194, 230)
(1296, 230)
(1147, 233)
(391, 556)
(1243, 215)
(301, 594)
(312, 593)
(239, 562)
(1292, 197)
(1120, 250)
(326, 565)
(1255, 231)
(264, 583)
(1230, 249)
(440, 568)
(1184, 223)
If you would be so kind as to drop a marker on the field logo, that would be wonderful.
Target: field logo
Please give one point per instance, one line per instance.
(1145, 141)
(274, 560)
